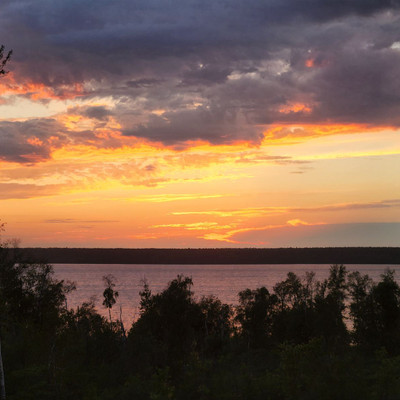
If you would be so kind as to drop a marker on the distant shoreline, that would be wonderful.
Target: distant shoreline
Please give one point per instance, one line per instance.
(314, 255)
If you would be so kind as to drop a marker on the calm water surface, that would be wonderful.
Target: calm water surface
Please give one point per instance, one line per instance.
(223, 281)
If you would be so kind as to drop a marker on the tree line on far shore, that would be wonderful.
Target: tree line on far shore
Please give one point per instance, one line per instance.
(314, 255)
(306, 339)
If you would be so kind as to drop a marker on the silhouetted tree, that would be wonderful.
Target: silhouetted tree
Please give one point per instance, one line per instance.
(255, 315)
(217, 319)
(31, 302)
(170, 323)
(4, 59)
(294, 318)
(2, 380)
(289, 291)
(330, 306)
(376, 311)
(361, 308)
(110, 294)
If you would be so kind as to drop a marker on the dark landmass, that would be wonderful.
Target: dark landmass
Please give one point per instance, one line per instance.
(326, 255)
(302, 340)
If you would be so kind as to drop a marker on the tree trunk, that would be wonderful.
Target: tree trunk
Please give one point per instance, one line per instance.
(2, 381)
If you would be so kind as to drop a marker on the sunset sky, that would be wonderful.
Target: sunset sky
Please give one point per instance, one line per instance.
(188, 123)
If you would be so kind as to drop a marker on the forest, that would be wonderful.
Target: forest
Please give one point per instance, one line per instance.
(305, 339)
(313, 255)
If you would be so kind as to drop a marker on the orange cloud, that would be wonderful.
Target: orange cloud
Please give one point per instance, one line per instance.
(195, 226)
(246, 212)
(34, 141)
(269, 211)
(161, 198)
(39, 91)
(310, 63)
(229, 236)
(298, 222)
(220, 237)
(293, 134)
(295, 108)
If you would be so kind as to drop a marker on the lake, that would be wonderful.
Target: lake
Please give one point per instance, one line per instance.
(223, 281)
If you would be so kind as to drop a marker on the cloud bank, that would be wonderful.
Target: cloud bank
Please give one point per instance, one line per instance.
(184, 71)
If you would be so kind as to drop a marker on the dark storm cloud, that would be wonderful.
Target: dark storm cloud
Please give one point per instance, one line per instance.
(367, 88)
(97, 112)
(29, 141)
(143, 83)
(319, 10)
(100, 38)
(33, 140)
(205, 75)
(216, 68)
(214, 126)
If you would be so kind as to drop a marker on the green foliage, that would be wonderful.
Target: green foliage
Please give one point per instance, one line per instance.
(315, 371)
(218, 324)
(295, 318)
(387, 377)
(255, 315)
(290, 343)
(29, 294)
(170, 323)
(375, 310)
(31, 302)
(330, 306)
(297, 311)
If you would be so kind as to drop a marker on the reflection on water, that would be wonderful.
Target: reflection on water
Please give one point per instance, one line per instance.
(223, 281)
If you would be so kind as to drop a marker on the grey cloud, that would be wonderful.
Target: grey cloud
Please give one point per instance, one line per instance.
(321, 11)
(257, 158)
(33, 140)
(28, 141)
(97, 112)
(241, 60)
(361, 86)
(215, 126)
(144, 82)
(205, 75)
(82, 39)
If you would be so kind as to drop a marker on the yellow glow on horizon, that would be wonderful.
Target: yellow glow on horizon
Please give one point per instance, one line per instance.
(294, 134)
(297, 222)
(229, 235)
(194, 226)
(197, 193)
(247, 212)
(161, 198)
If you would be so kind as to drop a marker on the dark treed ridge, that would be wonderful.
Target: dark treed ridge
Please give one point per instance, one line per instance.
(289, 343)
(333, 255)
